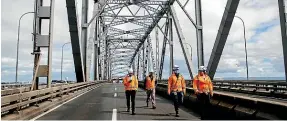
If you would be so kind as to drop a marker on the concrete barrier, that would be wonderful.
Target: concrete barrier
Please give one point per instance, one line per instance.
(227, 105)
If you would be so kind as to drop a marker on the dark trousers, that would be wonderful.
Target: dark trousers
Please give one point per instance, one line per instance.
(130, 96)
(177, 98)
(204, 101)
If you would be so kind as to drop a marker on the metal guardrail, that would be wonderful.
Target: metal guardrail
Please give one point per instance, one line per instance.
(21, 99)
(234, 104)
(270, 88)
(23, 89)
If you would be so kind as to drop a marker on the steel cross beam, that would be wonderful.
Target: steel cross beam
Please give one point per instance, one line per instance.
(142, 1)
(150, 28)
(124, 20)
(222, 35)
(125, 40)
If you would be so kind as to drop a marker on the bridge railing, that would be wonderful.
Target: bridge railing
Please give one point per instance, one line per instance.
(270, 88)
(234, 104)
(26, 88)
(22, 97)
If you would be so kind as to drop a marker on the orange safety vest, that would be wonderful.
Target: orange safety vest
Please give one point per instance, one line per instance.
(133, 85)
(150, 84)
(203, 84)
(176, 84)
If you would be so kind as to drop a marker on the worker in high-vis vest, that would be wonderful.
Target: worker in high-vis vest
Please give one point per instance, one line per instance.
(203, 89)
(176, 88)
(131, 86)
(150, 84)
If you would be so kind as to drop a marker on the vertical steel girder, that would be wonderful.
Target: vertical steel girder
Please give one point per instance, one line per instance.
(163, 50)
(283, 24)
(222, 35)
(199, 36)
(170, 44)
(84, 35)
(182, 41)
(143, 65)
(138, 65)
(152, 56)
(157, 52)
(42, 41)
(96, 52)
(146, 60)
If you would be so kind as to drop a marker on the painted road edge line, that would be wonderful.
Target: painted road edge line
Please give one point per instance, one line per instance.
(114, 118)
(39, 116)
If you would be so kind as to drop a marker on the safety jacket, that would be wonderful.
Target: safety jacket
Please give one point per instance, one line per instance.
(150, 83)
(131, 83)
(202, 84)
(176, 84)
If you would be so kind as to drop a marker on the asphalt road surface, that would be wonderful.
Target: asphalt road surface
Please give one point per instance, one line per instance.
(108, 102)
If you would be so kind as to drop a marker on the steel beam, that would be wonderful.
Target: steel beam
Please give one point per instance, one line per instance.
(147, 2)
(171, 63)
(84, 34)
(163, 50)
(283, 24)
(150, 28)
(157, 52)
(200, 53)
(222, 35)
(181, 38)
(41, 41)
(96, 51)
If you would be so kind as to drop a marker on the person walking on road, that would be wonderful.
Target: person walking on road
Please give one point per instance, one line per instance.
(131, 86)
(203, 89)
(150, 83)
(176, 88)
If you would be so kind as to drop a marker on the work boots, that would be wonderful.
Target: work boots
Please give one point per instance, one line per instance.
(153, 107)
(176, 115)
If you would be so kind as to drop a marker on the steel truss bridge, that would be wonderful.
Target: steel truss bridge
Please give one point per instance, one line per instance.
(118, 37)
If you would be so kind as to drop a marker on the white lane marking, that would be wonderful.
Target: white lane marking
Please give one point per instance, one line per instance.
(114, 118)
(115, 88)
(59, 105)
(115, 95)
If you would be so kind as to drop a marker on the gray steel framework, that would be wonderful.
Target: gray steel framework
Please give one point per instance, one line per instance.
(116, 49)
(222, 35)
(182, 41)
(199, 36)
(42, 41)
(163, 50)
(283, 23)
(75, 42)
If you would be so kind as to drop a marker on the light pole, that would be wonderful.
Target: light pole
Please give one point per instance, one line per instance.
(17, 55)
(247, 76)
(62, 60)
(190, 49)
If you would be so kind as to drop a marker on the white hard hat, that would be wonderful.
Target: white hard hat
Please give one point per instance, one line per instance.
(202, 68)
(175, 67)
(130, 70)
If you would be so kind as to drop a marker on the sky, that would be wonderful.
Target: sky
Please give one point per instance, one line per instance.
(261, 17)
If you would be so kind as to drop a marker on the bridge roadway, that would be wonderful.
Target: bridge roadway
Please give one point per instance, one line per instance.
(99, 104)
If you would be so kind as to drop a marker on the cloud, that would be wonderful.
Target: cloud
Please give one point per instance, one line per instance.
(262, 32)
